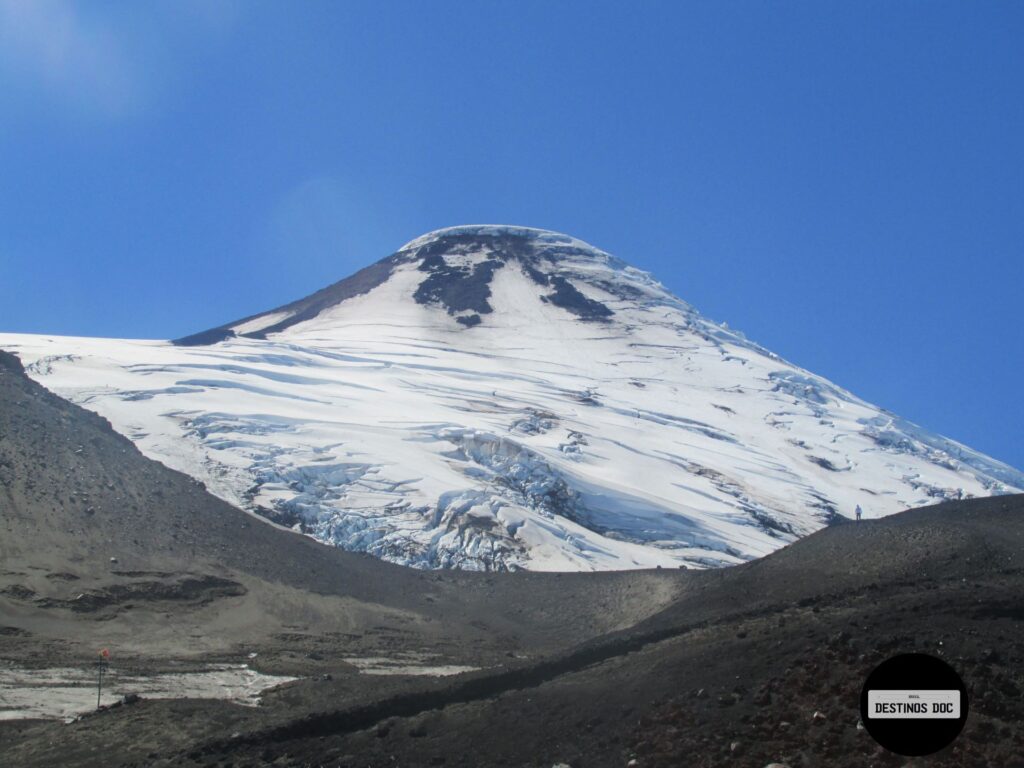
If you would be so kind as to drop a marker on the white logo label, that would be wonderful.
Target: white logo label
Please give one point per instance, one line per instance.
(914, 705)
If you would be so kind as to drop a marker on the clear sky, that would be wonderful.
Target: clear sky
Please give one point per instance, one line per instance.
(843, 181)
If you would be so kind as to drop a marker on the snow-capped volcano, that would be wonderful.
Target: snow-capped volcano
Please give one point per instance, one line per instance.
(500, 397)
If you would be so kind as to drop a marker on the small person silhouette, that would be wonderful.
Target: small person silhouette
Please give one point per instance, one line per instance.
(858, 512)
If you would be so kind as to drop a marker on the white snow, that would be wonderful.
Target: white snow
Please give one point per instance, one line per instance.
(533, 440)
(544, 235)
(63, 692)
(261, 322)
(405, 664)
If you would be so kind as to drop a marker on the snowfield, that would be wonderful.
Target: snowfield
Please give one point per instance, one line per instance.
(496, 397)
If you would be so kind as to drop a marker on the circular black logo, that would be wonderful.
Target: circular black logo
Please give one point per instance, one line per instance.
(914, 704)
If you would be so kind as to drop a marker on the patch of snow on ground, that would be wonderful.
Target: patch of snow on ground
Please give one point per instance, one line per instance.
(64, 692)
(405, 664)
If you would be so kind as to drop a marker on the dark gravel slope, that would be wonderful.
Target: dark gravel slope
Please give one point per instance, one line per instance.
(101, 547)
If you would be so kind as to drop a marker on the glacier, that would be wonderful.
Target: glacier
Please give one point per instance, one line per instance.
(493, 397)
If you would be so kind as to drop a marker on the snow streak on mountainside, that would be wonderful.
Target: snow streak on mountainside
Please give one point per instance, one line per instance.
(499, 397)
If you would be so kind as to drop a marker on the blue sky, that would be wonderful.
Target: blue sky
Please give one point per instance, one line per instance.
(842, 181)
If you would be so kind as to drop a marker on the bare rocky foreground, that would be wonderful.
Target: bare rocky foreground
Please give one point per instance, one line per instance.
(100, 547)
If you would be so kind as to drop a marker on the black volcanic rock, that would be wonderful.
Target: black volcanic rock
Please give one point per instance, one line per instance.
(457, 288)
(567, 296)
